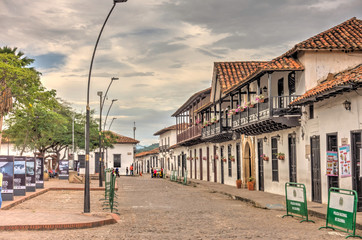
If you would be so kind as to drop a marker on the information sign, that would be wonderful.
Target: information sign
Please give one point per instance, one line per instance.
(341, 211)
(296, 200)
(19, 176)
(7, 169)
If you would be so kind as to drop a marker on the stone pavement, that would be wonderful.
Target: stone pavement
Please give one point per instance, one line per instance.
(266, 200)
(52, 212)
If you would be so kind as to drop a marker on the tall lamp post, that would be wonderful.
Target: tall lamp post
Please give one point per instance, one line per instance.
(101, 104)
(105, 122)
(86, 185)
(109, 128)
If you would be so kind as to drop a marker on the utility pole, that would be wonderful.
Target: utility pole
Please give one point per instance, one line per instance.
(134, 130)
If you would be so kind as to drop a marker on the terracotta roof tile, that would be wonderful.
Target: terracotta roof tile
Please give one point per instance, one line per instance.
(170, 128)
(122, 139)
(146, 153)
(345, 36)
(245, 71)
(340, 79)
(233, 73)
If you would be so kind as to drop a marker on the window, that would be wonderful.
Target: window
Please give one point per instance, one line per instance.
(168, 163)
(291, 83)
(274, 148)
(229, 160)
(156, 162)
(311, 111)
(117, 160)
(168, 141)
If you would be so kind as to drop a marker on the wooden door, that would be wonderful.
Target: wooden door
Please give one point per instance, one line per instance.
(208, 163)
(332, 145)
(238, 170)
(261, 165)
(292, 147)
(201, 164)
(316, 169)
(215, 167)
(222, 165)
(356, 146)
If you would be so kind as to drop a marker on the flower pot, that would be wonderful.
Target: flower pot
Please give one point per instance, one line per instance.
(266, 158)
(238, 183)
(250, 185)
(261, 100)
(281, 157)
(251, 105)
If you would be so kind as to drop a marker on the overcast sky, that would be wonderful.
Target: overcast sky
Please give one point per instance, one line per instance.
(162, 50)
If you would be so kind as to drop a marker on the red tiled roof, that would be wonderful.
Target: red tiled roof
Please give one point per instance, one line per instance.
(345, 36)
(122, 139)
(233, 74)
(153, 151)
(174, 146)
(333, 83)
(190, 100)
(173, 127)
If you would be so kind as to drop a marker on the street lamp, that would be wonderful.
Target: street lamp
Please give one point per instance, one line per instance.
(101, 102)
(111, 123)
(86, 185)
(105, 121)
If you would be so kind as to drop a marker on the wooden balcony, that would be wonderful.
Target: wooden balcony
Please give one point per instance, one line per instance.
(267, 117)
(217, 132)
(189, 136)
(164, 148)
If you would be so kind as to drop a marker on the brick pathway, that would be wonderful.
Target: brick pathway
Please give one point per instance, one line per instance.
(58, 206)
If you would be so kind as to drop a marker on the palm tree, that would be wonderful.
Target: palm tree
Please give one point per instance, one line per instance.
(6, 97)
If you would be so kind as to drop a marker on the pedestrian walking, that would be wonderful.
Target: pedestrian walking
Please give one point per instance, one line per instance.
(126, 171)
(1, 185)
(117, 172)
(152, 172)
(131, 168)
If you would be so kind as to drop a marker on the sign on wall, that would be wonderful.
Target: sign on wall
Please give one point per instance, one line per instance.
(332, 163)
(30, 174)
(7, 169)
(345, 161)
(63, 169)
(19, 176)
(39, 177)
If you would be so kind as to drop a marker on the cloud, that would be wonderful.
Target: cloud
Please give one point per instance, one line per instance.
(162, 50)
(138, 74)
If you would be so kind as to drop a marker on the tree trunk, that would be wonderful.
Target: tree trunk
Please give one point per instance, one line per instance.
(1, 129)
(25, 139)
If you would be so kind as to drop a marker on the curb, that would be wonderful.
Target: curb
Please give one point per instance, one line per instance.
(60, 226)
(36, 194)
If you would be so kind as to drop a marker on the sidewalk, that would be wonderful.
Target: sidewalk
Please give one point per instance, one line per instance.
(265, 200)
(40, 217)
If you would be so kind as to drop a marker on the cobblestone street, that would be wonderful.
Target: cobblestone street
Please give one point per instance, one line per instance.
(160, 209)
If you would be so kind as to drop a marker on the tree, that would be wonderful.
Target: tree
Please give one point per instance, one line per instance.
(19, 83)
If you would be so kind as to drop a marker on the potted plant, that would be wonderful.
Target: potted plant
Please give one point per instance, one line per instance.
(260, 98)
(216, 157)
(223, 159)
(281, 156)
(238, 183)
(251, 104)
(204, 158)
(232, 158)
(251, 183)
(265, 157)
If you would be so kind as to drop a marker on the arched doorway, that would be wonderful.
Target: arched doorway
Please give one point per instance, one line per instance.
(248, 162)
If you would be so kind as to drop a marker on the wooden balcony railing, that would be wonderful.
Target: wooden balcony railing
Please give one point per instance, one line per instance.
(189, 133)
(216, 128)
(279, 107)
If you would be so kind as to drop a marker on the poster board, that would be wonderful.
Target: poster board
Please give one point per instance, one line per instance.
(19, 176)
(332, 163)
(64, 169)
(39, 172)
(7, 169)
(30, 174)
(345, 166)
